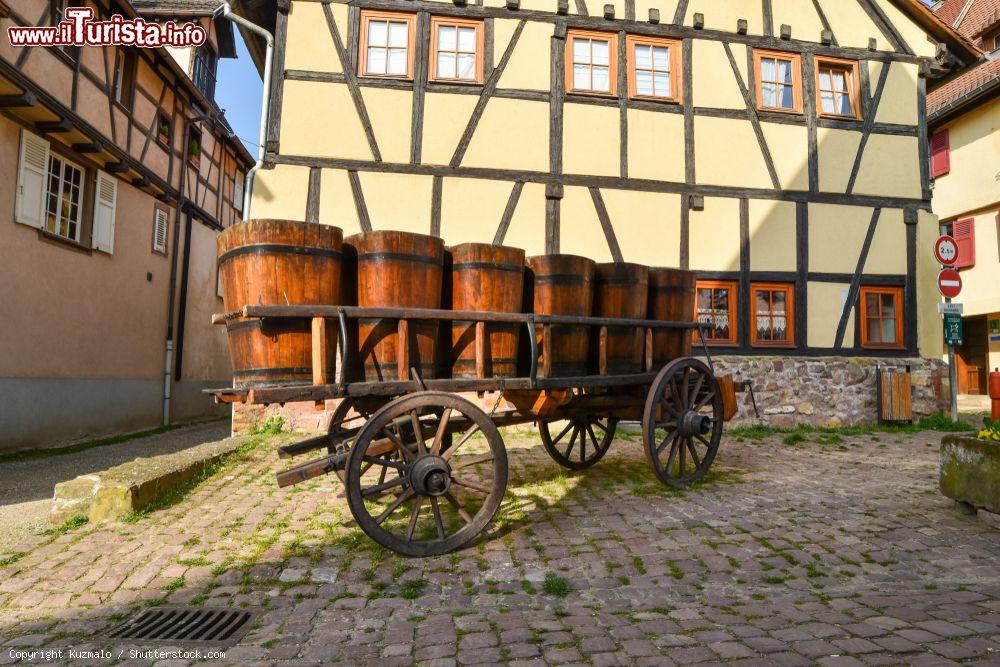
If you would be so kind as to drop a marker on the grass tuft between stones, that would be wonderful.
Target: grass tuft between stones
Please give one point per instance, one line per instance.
(555, 585)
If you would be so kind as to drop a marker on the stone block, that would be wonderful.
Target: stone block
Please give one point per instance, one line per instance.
(970, 472)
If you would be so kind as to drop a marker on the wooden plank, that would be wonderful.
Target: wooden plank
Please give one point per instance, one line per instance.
(320, 342)
(609, 230)
(508, 213)
(403, 349)
(602, 353)
(359, 202)
(480, 350)
(546, 350)
(648, 348)
(313, 195)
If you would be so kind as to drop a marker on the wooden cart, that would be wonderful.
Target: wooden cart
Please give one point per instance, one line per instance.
(425, 468)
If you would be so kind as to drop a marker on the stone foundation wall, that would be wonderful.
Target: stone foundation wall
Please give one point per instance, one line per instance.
(790, 391)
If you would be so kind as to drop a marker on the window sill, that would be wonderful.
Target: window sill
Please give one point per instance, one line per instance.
(890, 348)
(834, 116)
(772, 346)
(658, 100)
(385, 77)
(790, 112)
(55, 239)
(721, 343)
(592, 94)
(457, 82)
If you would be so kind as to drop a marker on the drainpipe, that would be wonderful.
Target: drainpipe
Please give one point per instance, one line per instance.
(265, 102)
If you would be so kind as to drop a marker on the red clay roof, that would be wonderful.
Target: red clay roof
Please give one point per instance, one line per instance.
(980, 15)
(980, 76)
(950, 10)
(968, 17)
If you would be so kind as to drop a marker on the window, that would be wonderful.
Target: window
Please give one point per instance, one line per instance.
(715, 306)
(837, 87)
(163, 128)
(654, 68)
(773, 314)
(386, 44)
(779, 80)
(456, 50)
(591, 59)
(205, 63)
(964, 232)
(238, 190)
(881, 317)
(64, 201)
(194, 148)
(940, 154)
(123, 84)
(57, 10)
(160, 231)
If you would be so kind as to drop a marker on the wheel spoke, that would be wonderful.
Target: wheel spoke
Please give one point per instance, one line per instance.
(395, 440)
(380, 489)
(485, 458)
(697, 387)
(598, 424)
(437, 517)
(583, 444)
(458, 507)
(703, 402)
(572, 441)
(683, 457)
(418, 432)
(471, 485)
(414, 513)
(468, 434)
(442, 427)
(403, 497)
(376, 460)
(704, 441)
(670, 459)
(593, 438)
(666, 441)
(562, 433)
(694, 454)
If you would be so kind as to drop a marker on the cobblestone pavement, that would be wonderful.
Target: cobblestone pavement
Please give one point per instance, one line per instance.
(832, 550)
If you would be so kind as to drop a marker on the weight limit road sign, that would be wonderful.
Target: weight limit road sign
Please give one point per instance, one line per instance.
(946, 250)
(950, 283)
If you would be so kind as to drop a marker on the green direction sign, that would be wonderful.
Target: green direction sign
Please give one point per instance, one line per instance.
(952, 329)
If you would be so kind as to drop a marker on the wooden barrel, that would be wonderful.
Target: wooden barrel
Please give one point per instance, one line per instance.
(487, 278)
(278, 262)
(671, 298)
(563, 285)
(398, 270)
(620, 290)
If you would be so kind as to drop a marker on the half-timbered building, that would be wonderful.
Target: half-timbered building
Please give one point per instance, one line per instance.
(118, 171)
(778, 148)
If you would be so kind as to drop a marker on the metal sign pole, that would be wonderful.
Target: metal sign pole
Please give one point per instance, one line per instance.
(953, 383)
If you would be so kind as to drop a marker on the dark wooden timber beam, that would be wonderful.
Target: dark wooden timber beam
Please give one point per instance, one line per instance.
(90, 147)
(53, 126)
(116, 167)
(25, 99)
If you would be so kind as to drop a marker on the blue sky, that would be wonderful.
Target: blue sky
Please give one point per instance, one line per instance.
(238, 92)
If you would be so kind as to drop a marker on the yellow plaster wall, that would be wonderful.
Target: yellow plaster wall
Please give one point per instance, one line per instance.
(837, 151)
(887, 254)
(772, 235)
(724, 15)
(528, 65)
(975, 162)
(309, 45)
(591, 140)
(280, 193)
(398, 201)
(336, 201)
(826, 305)
(981, 283)
(712, 75)
(655, 145)
(715, 236)
(727, 153)
(305, 104)
(836, 235)
(445, 119)
(915, 36)
(527, 226)
(899, 99)
(580, 228)
(792, 166)
(471, 209)
(930, 333)
(890, 166)
(800, 15)
(390, 112)
(524, 128)
(851, 24)
(647, 225)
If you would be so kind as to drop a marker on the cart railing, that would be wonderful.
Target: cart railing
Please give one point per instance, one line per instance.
(324, 386)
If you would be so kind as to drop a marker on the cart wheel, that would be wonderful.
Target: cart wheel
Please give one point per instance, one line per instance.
(582, 442)
(435, 498)
(344, 427)
(682, 422)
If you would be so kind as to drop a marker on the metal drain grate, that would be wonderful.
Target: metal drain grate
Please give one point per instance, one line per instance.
(186, 625)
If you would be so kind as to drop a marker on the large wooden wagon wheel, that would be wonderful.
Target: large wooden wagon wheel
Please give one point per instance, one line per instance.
(581, 441)
(682, 422)
(348, 418)
(431, 498)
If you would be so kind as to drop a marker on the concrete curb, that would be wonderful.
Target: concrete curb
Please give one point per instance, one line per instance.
(134, 486)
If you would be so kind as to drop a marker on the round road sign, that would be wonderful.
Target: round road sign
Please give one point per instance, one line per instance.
(946, 250)
(950, 283)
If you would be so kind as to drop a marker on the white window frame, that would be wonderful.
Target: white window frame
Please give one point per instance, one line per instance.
(161, 220)
(55, 229)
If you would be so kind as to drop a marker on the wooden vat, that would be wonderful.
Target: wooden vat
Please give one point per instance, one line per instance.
(487, 278)
(671, 298)
(563, 285)
(277, 262)
(620, 290)
(398, 270)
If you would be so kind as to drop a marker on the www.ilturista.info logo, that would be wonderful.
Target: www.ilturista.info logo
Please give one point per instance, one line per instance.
(79, 28)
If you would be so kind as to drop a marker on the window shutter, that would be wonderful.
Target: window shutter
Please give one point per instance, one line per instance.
(238, 192)
(965, 235)
(105, 199)
(31, 180)
(160, 231)
(940, 154)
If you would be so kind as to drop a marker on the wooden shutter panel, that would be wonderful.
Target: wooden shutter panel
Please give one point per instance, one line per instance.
(32, 177)
(964, 232)
(105, 200)
(160, 231)
(238, 192)
(940, 154)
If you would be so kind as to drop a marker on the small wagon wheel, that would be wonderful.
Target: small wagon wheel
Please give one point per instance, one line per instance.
(682, 422)
(435, 498)
(581, 442)
(344, 426)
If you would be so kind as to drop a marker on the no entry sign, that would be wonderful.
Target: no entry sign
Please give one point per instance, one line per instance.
(950, 283)
(946, 250)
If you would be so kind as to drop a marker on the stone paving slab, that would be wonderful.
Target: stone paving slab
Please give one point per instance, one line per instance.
(833, 551)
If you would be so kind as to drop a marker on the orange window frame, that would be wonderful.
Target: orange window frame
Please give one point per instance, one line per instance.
(796, 64)
(853, 85)
(897, 294)
(676, 71)
(789, 290)
(733, 289)
(612, 39)
(367, 16)
(443, 21)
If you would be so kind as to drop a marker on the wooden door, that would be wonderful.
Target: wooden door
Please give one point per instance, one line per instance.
(971, 358)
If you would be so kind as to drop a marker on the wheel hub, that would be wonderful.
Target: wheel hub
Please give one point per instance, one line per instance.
(430, 475)
(693, 423)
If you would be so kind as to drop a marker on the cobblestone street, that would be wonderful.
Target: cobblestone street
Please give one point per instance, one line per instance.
(828, 550)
